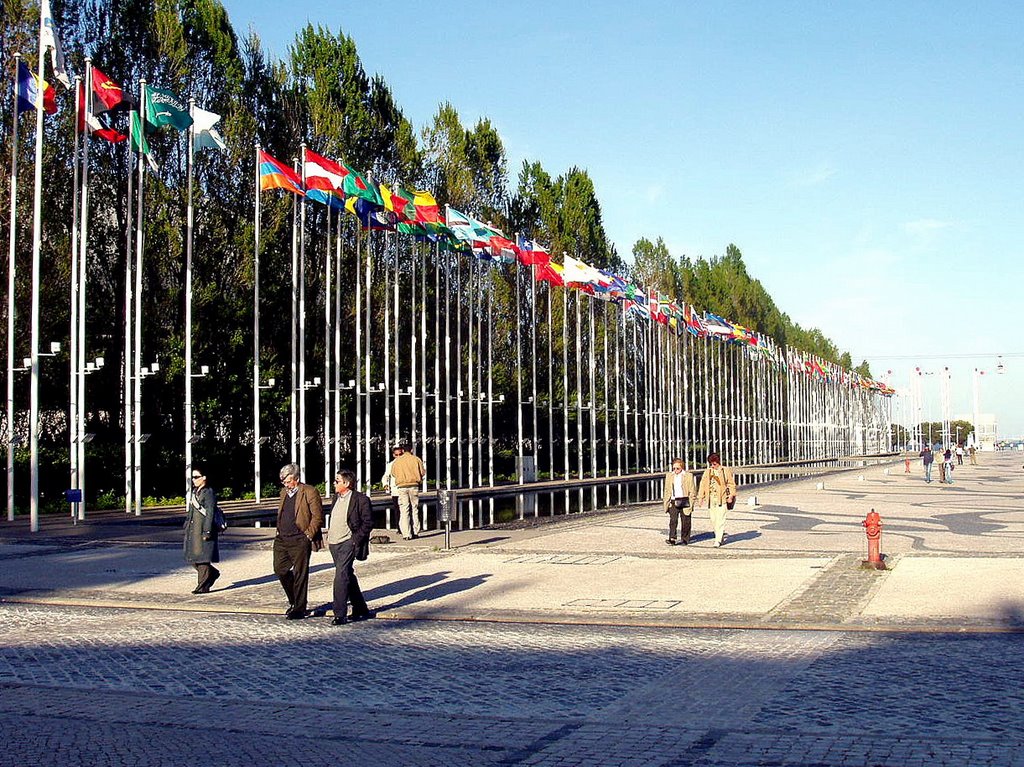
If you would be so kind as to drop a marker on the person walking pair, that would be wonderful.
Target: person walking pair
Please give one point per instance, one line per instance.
(679, 497)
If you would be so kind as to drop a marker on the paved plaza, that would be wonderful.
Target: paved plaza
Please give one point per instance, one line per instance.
(585, 641)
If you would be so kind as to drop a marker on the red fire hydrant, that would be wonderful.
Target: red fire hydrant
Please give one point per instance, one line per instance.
(873, 529)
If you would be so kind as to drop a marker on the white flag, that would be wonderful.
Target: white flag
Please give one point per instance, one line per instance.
(206, 136)
(51, 43)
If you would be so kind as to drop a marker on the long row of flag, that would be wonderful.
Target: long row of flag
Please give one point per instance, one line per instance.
(379, 206)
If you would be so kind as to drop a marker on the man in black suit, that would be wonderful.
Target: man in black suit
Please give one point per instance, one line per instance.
(348, 536)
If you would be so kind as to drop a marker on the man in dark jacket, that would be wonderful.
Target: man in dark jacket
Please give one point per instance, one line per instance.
(348, 536)
(300, 517)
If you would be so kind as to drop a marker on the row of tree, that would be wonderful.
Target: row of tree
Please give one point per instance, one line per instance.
(319, 95)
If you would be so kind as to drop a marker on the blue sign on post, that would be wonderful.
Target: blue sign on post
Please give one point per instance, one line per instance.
(74, 495)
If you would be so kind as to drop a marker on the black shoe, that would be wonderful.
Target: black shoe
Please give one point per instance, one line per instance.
(295, 615)
(671, 541)
(363, 616)
(339, 620)
(288, 609)
(685, 542)
(197, 589)
(205, 589)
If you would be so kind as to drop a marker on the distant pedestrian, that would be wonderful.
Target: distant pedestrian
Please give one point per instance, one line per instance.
(718, 488)
(408, 472)
(959, 455)
(927, 459)
(388, 480)
(971, 453)
(678, 499)
(201, 549)
(348, 537)
(300, 517)
(947, 466)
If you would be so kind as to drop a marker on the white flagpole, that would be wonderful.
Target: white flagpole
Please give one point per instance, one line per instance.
(139, 244)
(519, 375)
(83, 232)
(256, 444)
(362, 480)
(73, 430)
(37, 240)
(127, 355)
(11, 273)
(293, 436)
(188, 295)
(337, 344)
(302, 325)
(328, 299)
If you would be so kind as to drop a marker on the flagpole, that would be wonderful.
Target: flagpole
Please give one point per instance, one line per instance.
(519, 375)
(83, 232)
(293, 436)
(256, 437)
(367, 372)
(73, 430)
(328, 299)
(139, 244)
(533, 366)
(11, 273)
(337, 344)
(302, 325)
(189, 220)
(362, 480)
(126, 363)
(37, 240)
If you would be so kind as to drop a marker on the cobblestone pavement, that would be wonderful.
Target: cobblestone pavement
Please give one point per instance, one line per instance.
(92, 686)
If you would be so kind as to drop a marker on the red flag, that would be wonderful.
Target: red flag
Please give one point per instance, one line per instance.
(108, 93)
(95, 127)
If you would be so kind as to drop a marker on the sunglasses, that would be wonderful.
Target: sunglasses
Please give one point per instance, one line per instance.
(197, 476)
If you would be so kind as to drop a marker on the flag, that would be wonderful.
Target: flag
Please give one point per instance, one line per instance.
(580, 272)
(204, 135)
(87, 120)
(276, 175)
(530, 253)
(358, 185)
(51, 43)
(426, 207)
(551, 273)
(139, 143)
(717, 326)
(27, 88)
(164, 108)
(322, 174)
(399, 202)
(108, 95)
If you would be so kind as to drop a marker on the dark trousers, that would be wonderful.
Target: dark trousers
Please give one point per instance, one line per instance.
(291, 566)
(676, 518)
(205, 571)
(346, 585)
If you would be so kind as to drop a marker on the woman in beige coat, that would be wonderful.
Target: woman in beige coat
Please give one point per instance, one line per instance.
(718, 488)
(678, 497)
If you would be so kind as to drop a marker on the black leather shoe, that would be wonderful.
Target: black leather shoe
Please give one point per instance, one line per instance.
(213, 579)
(339, 620)
(295, 615)
(288, 609)
(362, 616)
(671, 541)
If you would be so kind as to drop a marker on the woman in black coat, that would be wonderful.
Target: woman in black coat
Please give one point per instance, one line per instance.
(201, 533)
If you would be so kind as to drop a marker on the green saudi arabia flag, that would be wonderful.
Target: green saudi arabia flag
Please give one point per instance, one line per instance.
(164, 108)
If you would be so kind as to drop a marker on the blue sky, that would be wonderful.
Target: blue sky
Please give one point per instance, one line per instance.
(865, 157)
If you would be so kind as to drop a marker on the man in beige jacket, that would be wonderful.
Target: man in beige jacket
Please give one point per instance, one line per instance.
(678, 498)
(718, 488)
(408, 472)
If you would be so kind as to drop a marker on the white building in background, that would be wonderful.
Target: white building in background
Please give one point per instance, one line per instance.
(985, 431)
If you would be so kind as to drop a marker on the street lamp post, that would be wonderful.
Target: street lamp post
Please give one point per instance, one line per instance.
(140, 438)
(258, 441)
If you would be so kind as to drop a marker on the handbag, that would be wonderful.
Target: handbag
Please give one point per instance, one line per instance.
(680, 503)
(220, 523)
(730, 504)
